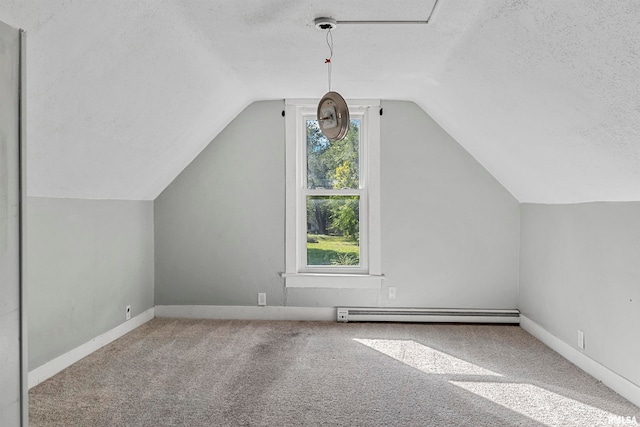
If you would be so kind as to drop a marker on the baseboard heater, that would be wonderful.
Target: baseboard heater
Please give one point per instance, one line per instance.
(427, 315)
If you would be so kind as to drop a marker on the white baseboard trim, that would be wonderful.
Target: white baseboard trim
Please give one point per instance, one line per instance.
(235, 312)
(56, 365)
(614, 381)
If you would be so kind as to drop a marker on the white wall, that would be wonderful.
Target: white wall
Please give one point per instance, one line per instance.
(10, 326)
(580, 269)
(450, 231)
(86, 260)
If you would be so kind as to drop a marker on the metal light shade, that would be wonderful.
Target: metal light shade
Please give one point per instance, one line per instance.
(333, 116)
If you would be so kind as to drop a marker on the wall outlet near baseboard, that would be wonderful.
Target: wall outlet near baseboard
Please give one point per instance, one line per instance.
(262, 298)
(580, 339)
(392, 292)
(127, 312)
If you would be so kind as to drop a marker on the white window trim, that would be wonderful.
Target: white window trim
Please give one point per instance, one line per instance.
(369, 277)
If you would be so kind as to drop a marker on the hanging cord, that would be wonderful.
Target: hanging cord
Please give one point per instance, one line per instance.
(328, 60)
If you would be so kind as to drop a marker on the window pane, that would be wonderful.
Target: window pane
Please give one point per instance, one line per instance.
(333, 230)
(333, 165)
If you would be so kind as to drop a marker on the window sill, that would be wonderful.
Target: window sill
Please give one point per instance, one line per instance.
(332, 280)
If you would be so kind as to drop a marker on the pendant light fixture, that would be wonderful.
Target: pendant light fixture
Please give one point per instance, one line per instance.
(333, 113)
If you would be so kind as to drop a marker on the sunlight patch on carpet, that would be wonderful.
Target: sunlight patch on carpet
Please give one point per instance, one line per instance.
(541, 405)
(423, 358)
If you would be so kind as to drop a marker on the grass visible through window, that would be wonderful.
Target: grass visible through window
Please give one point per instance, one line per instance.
(332, 250)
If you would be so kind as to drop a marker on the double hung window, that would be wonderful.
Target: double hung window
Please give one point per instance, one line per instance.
(333, 231)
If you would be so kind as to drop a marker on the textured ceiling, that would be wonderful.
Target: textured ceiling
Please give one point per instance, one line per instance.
(122, 95)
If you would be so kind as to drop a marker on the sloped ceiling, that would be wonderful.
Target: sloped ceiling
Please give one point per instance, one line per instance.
(122, 95)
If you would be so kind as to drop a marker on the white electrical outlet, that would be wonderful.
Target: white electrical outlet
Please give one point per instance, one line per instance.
(581, 339)
(127, 311)
(262, 299)
(392, 292)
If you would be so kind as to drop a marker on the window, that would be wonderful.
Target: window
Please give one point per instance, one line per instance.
(333, 225)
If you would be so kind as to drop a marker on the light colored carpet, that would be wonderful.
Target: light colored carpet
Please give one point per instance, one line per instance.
(214, 373)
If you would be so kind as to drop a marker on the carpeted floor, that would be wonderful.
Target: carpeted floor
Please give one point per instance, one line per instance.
(172, 372)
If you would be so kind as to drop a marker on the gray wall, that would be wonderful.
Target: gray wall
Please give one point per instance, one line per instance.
(449, 230)
(580, 269)
(86, 261)
(10, 326)
(219, 227)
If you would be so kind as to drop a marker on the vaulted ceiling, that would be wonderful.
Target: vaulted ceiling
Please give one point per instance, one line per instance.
(122, 95)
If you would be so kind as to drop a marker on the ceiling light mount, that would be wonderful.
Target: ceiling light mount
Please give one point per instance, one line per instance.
(324, 24)
(330, 23)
